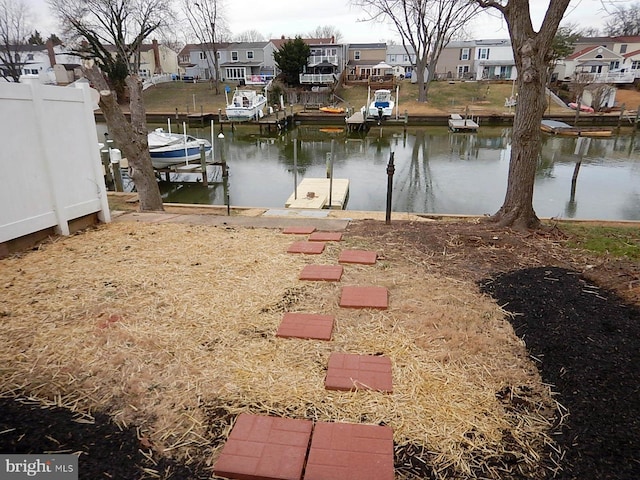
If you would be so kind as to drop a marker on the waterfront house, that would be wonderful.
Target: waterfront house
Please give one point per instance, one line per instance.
(402, 60)
(490, 59)
(363, 59)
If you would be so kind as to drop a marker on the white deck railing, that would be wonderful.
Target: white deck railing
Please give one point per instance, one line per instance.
(325, 79)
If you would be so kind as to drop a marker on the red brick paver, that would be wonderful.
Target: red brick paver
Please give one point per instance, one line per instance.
(306, 247)
(299, 230)
(350, 372)
(364, 257)
(306, 325)
(364, 297)
(329, 273)
(261, 448)
(325, 237)
(350, 451)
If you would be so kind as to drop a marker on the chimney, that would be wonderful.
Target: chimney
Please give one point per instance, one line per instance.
(333, 39)
(282, 37)
(51, 53)
(156, 56)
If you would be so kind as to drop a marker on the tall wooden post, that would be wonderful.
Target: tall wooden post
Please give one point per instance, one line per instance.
(203, 164)
(390, 171)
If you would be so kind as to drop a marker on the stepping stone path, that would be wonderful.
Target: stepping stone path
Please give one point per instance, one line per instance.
(330, 273)
(261, 447)
(306, 325)
(307, 247)
(352, 372)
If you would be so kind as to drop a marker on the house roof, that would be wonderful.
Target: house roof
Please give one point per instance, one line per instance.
(582, 52)
(399, 50)
(279, 42)
(627, 39)
(363, 63)
(198, 47)
(364, 46)
(632, 54)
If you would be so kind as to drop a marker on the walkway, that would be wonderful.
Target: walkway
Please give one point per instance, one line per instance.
(262, 447)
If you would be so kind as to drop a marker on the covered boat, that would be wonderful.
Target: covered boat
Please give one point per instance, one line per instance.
(246, 105)
(168, 149)
(382, 104)
(560, 128)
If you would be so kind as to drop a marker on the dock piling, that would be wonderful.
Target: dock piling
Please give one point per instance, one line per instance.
(116, 157)
(203, 164)
(390, 171)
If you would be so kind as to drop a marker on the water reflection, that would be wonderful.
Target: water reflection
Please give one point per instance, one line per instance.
(436, 171)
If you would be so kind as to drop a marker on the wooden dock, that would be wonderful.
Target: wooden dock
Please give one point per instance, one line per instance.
(459, 124)
(356, 123)
(313, 193)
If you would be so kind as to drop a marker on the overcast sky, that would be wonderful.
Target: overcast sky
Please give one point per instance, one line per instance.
(274, 18)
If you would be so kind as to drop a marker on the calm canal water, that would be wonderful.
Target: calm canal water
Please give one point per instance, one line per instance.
(436, 171)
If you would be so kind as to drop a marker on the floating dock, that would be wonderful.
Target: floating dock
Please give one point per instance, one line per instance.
(459, 124)
(356, 123)
(313, 193)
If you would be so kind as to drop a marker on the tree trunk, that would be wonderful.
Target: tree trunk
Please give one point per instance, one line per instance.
(517, 209)
(131, 137)
(423, 84)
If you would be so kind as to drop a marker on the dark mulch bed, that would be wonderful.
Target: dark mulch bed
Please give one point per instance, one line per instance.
(585, 341)
(106, 451)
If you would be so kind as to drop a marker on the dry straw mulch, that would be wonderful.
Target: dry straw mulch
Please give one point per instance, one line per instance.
(172, 328)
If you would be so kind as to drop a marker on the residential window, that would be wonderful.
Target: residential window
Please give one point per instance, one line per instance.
(464, 54)
(234, 56)
(635, 65)
(614, 64)
(356, 55)
(405, 58)
(218, 55)
(250, 55)
(185, 58)
(483, 54)
(392, 58)
(623, 48)
(235, 73)
(203, 55)
(30, 56)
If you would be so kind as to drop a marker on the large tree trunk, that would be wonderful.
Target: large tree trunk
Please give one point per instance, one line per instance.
(423, 83)
(131, 137)
(517, 209)
(531, 52)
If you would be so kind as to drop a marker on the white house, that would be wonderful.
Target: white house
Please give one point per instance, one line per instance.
(402, 62)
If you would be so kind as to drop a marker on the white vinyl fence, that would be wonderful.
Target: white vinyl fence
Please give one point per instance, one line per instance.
(49, 159)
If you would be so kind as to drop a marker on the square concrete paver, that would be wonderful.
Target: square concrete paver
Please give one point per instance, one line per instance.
(329, 273)
(350, 451)
(325, 237)
(364, 297)
(299, 230)
(306, 325)
(350, 372)
(306, 247)
(364, 257)
(261, 447)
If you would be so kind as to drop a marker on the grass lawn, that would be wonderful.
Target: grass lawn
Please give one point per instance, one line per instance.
(443, 98)
(616, 241)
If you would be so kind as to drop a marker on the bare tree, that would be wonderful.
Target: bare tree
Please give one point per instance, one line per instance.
(625, 21)
(208, 25)
(250, 36)
(13, 38)
(426, 26)
(326, 31)
(532, 52)
(112, 31)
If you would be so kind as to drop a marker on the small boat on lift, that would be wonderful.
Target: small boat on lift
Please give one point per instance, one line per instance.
(246, 105)
(382, 105)
(168, 149)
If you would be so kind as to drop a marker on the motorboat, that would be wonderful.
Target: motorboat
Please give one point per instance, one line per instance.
(246, 105)
(168, 149)
(382, 104)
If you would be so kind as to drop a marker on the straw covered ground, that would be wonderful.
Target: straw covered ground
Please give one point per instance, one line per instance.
(169, 331)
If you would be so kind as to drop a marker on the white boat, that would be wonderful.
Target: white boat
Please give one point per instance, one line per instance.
(246, 105)
(382, 104)
(168, 149)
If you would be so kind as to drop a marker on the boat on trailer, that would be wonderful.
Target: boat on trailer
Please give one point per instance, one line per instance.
(167, 149)
(246, 105)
